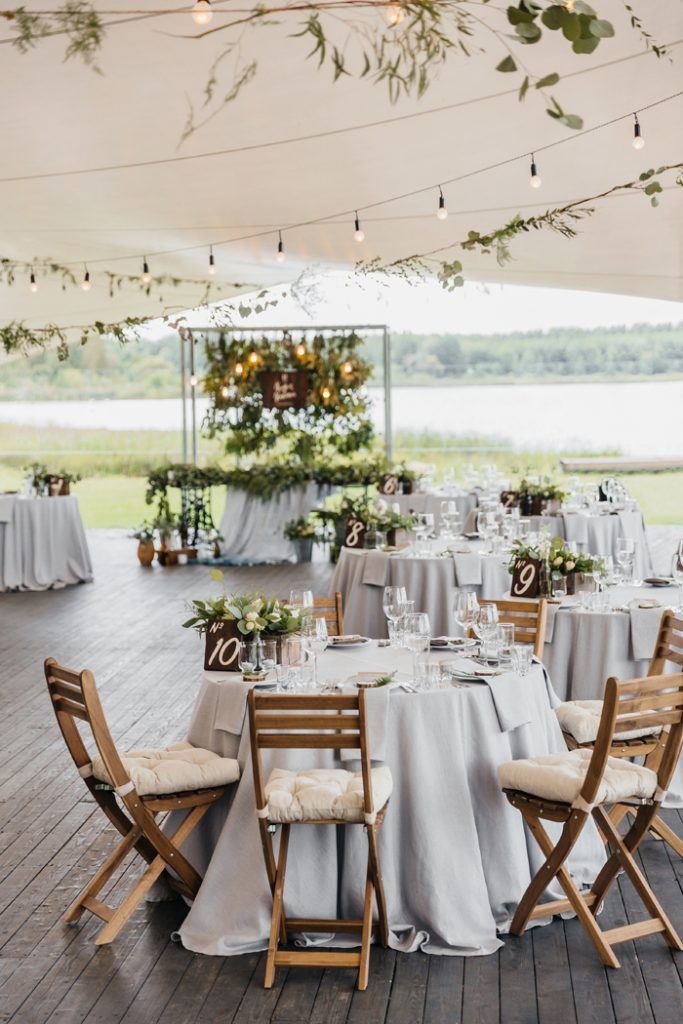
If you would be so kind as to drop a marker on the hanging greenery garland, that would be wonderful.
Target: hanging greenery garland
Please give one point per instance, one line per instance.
(322, 402)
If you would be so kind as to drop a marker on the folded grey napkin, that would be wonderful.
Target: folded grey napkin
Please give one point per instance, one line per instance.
(644, 630)
(510, 695)
(470, 522)
(375, 569)
(231, 703)
(467, 570)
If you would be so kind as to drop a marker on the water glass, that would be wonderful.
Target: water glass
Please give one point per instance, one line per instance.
(407, 608)
(380, 540)
(522, 658)
(559, 585)
(417, 636)
(505, 637)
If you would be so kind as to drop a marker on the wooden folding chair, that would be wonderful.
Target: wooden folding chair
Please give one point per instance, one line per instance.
(271, 720)
(331, 608)
(528, 618)
(668, 651)
(531, 785)
(74, 697)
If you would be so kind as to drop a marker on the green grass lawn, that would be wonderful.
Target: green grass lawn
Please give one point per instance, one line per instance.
(114, 465)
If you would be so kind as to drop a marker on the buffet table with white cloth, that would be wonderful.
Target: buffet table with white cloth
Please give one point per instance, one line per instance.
(42, 543)
(455, 855)
(598, 534)
(252, 528)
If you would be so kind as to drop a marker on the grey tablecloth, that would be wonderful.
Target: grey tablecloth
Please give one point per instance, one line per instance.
(430, 582)
(598, 535)
(253, 529)
(455, 855)
(42, 544)
(431, 502)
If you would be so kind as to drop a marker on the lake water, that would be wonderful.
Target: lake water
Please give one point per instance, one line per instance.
(635, 419)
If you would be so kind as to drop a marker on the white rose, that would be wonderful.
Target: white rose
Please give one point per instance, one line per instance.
(250, 616)
(570, 566)
(558, 560)
(250, 626)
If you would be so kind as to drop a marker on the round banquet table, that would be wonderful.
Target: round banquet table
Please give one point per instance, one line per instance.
(455, 855)
(252, 528)
(430, 501)
(42, 543)
(599, 534)
(360, 577)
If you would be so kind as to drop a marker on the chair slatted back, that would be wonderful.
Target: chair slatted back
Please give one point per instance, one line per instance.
(331, 608)
(669, 646)
(303, 722)
(74, 697)
(638, 704)
(529, 619)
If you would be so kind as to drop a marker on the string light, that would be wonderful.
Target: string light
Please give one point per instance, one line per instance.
(85, 283)
(347, 368)
(33, 284)
(358, 233)
(325, 393)
(212, 262)
(225, 391)
(193, 380)
(300, 350)
(239, 369)
(395, 14)
(441, 212)
(638, 140)
(280, 254)
(146, 276)
(253, 358)
(535, 180)
(202, 13)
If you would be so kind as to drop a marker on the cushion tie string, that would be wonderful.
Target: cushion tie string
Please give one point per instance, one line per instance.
(125, 789)
(660, 794)
(582, 805)
(85, 771)
(262, 812)
(371, 818)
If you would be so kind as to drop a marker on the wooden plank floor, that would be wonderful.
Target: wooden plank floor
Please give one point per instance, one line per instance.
(126, 628)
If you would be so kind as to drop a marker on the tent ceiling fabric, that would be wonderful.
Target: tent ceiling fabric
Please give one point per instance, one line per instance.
(62, 116)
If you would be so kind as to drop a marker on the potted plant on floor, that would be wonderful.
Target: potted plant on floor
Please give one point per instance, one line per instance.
(144, 535)
(303, 534)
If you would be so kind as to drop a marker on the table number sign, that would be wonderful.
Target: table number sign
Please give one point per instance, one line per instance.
(284, 389)
(388, 484)
(221, 653)
(355, 534)
(508, 499)
(526, 577)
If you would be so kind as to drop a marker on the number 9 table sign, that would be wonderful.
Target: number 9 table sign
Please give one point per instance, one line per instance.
(526, 577)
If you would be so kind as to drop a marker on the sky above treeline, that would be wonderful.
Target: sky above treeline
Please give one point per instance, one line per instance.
(425, 308)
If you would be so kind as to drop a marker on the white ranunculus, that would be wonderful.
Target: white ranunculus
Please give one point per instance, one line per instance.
(570, 566)
(558, 560)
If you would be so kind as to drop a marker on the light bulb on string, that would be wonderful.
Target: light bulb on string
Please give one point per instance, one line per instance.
(193, 380)
(325, 393)
(280, 254)
(239, 369)
(358, 232)
(85, 283)
(300, 350)
(146, 276)
(347, 368)
(225, 391)
(212, 263)
(441, 212)
(535, 180)
(32, 283)
(395, 14)
(202, 13)
(638, 140)
(253, 358)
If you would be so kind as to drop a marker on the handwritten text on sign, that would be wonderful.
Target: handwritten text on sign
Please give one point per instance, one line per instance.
(526, 576)
(388, 484)
(222, 648)
(284, 389)
(355, 534)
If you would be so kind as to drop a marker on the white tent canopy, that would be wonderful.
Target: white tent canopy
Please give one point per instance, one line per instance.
(62, 116)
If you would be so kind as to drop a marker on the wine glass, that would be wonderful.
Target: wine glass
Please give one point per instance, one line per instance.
(465, 609)
(417, 637)
(485, 624)
(392, 605)
(626, 556)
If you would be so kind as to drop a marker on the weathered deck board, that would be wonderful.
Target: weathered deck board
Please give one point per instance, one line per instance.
(126, 628)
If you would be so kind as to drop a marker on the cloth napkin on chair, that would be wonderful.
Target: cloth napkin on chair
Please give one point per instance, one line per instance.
(376, 569)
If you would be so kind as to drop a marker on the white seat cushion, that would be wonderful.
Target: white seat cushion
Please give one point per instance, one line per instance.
(581, 719)
(324, 793)
(561, 776)
(177, 769)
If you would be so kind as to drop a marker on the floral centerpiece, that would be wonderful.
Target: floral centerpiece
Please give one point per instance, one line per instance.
(303, 533)
(537, 497)
(556, 557)
(227, 619)
(377, 515)
(48, 482)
